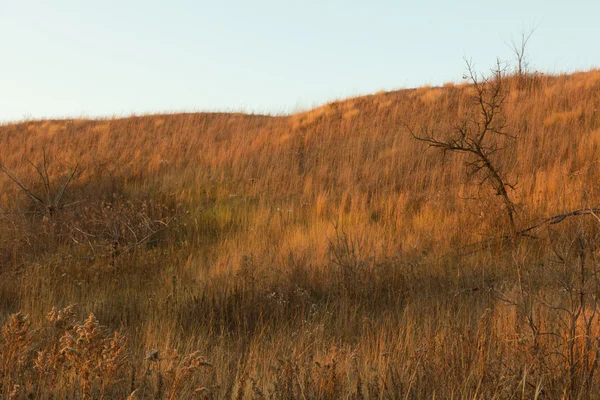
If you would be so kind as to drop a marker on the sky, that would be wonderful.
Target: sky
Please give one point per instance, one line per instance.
(104, 58)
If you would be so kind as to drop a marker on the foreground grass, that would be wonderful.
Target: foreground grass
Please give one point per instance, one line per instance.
(386, 329)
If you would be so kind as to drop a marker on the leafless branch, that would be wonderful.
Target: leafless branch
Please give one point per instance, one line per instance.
(477, 136)
(35, 199)
(63, 188)
(49, 206)
(519, 50)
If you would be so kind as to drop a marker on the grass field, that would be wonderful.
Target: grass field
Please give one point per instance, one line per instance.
(322, 255)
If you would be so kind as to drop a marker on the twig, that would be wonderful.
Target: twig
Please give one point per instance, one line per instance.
(524, 233)
(16, 180)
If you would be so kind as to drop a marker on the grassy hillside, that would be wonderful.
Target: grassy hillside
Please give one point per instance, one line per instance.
(317, 255)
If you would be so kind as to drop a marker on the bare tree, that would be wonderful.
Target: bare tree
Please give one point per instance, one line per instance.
(519, 49)
(50, 201)
(479, 136)
(107, 228)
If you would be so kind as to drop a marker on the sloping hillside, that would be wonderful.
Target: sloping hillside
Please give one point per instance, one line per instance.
(317, 236)
(351, 161)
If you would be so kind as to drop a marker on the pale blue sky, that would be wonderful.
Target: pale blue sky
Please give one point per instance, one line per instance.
(113, 58)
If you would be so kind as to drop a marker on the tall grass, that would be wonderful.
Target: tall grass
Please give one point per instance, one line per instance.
(306, 256)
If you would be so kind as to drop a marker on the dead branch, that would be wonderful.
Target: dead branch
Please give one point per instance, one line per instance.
(555, 219)
(111, 229)
(524, 233)
(65, 184)
(50, 206)
(519, 50)
(477, 136)
(35, 199)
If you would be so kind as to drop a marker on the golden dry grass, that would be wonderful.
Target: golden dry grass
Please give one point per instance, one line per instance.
(307, 256)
